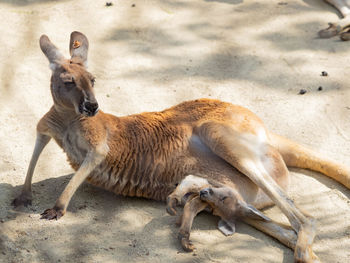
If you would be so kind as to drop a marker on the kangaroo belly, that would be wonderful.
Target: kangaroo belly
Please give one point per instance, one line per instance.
(155, 180)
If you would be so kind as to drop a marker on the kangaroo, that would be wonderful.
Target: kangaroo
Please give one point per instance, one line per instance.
(146, 154)
(197, 194)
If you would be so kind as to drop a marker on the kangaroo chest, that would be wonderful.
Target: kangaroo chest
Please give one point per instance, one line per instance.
(69, 138)
(75, 147)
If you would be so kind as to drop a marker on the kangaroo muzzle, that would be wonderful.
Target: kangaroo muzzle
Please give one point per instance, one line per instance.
(205, 193)
(89, 108)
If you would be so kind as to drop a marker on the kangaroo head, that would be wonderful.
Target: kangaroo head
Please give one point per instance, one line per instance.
(230, 206)
(71, 83)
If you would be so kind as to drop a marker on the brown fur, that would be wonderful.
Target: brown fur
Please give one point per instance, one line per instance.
(147, 154)
(196, 194)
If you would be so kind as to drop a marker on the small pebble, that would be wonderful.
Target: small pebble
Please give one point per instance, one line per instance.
(133, 5)
(109, 3)
(320, 88)
(107, 96)
(324, 74)
(302, 92)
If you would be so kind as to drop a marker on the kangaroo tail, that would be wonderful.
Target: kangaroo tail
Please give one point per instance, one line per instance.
(296, 155)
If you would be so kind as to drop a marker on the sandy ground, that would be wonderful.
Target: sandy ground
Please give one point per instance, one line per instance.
(148, 57)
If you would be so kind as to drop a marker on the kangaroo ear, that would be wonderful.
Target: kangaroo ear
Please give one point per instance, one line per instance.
(78, 47)
(227, 228)
(51, 52)
(253, 213)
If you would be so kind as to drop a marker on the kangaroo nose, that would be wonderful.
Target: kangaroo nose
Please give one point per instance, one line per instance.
(91, 108)
(205, 192)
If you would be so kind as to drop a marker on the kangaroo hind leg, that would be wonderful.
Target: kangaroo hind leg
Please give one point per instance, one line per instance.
(249, 152)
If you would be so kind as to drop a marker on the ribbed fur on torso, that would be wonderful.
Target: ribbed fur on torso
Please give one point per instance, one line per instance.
(146, 158)
(148, 153)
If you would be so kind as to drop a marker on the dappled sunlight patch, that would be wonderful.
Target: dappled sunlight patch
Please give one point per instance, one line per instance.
(134, 220)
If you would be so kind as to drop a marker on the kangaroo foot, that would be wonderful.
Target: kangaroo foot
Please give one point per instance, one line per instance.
(52, 213)
(305, 256)
(24, 200)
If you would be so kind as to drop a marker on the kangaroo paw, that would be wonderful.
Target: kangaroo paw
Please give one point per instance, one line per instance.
(186, 243)
(22, 200)
(171, 205)
(52, 213)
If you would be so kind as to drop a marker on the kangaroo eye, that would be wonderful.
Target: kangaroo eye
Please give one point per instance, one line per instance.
(70, 84)
(222, 199)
